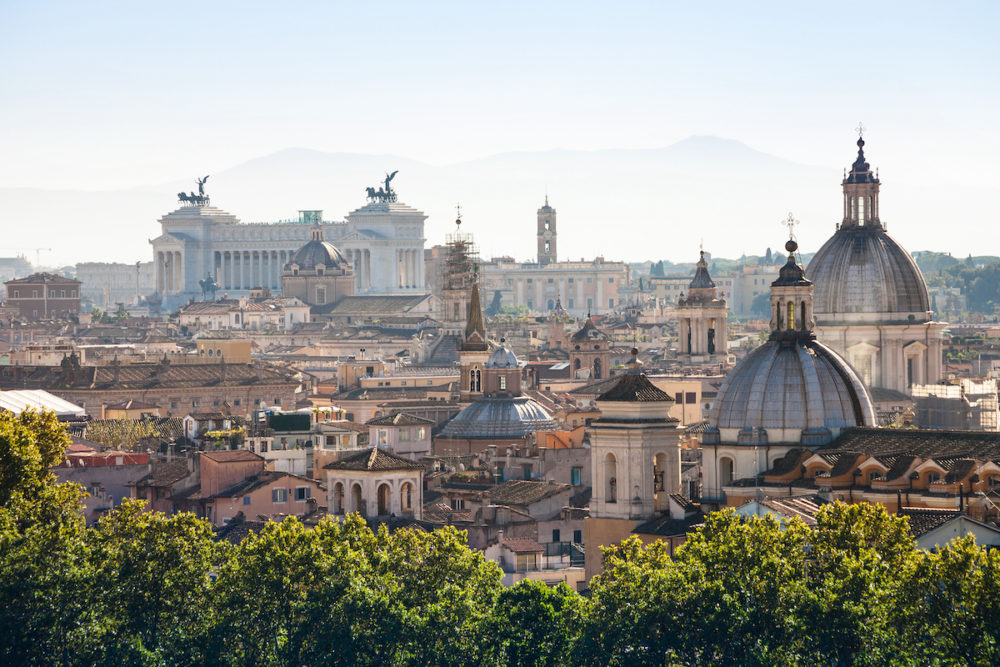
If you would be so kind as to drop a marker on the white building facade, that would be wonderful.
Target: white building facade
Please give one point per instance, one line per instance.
(384, 241)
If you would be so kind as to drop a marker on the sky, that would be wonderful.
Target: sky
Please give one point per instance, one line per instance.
(111, 95)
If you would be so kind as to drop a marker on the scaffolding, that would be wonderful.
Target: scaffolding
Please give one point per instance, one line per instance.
(968, 405)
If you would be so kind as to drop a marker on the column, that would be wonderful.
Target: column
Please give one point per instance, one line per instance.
(180, 272)
(159, 272)
(368, 270)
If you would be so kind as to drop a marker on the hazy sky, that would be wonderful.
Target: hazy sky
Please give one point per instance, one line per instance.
(101, 95)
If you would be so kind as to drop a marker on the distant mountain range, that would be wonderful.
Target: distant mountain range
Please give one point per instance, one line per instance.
(627, 204)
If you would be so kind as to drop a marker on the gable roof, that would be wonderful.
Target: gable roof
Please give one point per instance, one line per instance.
(635, 389)
(524, 492)
(373, 459)
(232, 455)
(400, 419)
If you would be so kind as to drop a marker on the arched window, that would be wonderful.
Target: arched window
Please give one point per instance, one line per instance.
(552, 304)
(802, 319)
(597, 369)
(791, 316)
(777, 316)
(357, 502)
(610, 476)
(726, 471)
(384, 500)
(503, 382)
(406, 497)
(576, 364)
(338, 498)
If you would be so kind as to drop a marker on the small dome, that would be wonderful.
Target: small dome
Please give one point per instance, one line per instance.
(319, 252)
(500, 417)
(861, 269)
(793, 384)
(502, 357)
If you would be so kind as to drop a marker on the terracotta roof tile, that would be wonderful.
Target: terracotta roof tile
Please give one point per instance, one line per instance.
(374, 459)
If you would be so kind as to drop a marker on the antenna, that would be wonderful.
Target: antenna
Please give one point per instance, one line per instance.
(860, 129)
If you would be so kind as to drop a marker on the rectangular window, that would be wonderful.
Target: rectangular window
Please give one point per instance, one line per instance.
(62, 294)
(570, 281)
(578, 536)
(246, 500)
(571, 304)
(574, 476)
(555, 535)
(550, 281)
(72, 293)
(17, 294)
(690, 397)
(527, 471)
(52, 294)
(279, 495)
(679, 398)
(590, 280)
(611, 280)
(611, 303)
(302, 494)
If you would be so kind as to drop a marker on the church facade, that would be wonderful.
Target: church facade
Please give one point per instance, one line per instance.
(383, 241)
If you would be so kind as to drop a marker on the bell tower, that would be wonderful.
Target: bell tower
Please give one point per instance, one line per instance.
(702, 319)
(861, 192)
(474, 350)
(546, 234)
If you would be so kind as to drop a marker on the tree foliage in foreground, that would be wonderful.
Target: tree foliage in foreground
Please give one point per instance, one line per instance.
(143, 588)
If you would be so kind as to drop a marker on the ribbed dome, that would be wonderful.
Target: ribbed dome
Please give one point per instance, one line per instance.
(864, 270)
(501, 417)
(502, 358)
(318, 252)
(793, 384)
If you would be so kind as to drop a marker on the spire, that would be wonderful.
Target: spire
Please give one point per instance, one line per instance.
(702, 280)
(475, 330)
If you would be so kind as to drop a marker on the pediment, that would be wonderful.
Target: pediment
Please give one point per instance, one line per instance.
(166, 239)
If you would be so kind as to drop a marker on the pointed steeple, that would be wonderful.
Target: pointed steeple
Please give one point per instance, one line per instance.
(475, 330)
(702, 280)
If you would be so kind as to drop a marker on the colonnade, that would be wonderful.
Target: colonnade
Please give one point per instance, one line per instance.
(169, 271)
(361, 261)
(409, 263)
(246, 269)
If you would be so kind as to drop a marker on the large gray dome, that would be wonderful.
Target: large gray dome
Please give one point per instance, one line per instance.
(316, 253)
(500, 417)
(793, 384)
(861, 269)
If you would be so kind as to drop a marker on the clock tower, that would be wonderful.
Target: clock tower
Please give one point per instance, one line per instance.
(546, 234)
